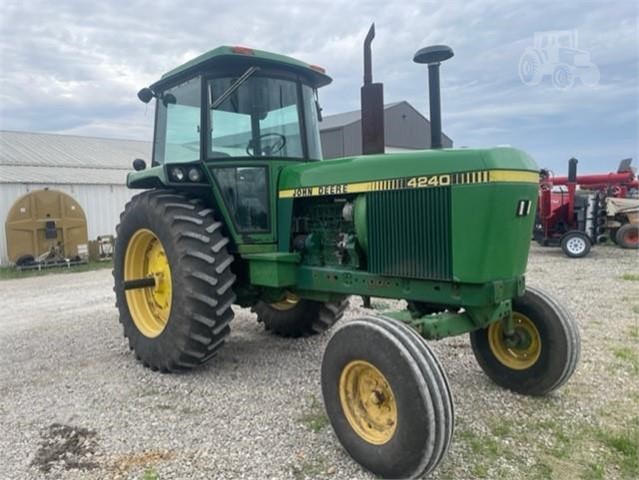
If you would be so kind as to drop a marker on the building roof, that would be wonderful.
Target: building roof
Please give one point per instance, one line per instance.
(27, 157)
(339, 120)
(346, 118)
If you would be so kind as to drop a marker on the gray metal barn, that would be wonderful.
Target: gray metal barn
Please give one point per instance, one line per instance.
(91, 170)
(405, 129)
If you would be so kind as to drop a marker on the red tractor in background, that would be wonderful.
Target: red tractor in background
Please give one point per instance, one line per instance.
(602, 208)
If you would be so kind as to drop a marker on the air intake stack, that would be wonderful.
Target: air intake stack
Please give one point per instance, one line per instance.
(372, 101)
(433, 56)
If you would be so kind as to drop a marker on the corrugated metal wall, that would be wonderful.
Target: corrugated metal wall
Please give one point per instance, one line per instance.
(404, 128)
(332, 143)
(102, 205)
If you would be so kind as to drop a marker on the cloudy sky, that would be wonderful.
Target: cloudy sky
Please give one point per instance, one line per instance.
(75, 67)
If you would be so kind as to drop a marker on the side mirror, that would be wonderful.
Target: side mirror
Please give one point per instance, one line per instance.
(139, 164)
(318, 109)
(168, 98)
(146, 95)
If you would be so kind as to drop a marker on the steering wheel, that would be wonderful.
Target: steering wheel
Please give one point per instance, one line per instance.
(276, 145)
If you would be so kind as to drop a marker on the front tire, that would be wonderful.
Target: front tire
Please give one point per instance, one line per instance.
(183, 320)
(294, 317)
(547, 351)
(387, 398)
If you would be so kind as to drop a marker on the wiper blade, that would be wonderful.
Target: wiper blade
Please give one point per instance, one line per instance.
(236, 84)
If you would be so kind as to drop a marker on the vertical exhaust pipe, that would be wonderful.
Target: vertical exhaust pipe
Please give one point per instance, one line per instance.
(372, 104)
(433, 56)
(572, 170)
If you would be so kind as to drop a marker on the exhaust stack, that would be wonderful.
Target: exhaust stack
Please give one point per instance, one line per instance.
(572, 170)
(433, 56)
(372, 104)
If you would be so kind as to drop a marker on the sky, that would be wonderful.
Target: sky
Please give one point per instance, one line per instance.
(74, 67)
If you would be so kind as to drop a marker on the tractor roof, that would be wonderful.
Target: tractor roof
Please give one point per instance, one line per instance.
(225, 55)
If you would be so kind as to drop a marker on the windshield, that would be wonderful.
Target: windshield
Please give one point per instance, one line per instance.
(261, 118)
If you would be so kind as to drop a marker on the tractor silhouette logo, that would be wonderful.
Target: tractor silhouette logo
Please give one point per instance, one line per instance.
(556, 54)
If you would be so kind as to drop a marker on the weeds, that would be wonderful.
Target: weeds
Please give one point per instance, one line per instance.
(314, 418)
(624, 445)
(309, 468)
(628, 356)
(595, 471)
(150, 474)
(10, 273)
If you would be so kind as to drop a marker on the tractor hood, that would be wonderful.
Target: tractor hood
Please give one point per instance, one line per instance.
(400, 170)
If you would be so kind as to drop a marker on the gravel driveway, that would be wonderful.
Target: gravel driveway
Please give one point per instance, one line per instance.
(76, 404)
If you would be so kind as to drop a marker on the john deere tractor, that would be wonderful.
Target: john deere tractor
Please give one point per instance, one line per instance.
(239, 209)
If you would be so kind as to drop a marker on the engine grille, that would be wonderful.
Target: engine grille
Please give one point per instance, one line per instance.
(409, 233)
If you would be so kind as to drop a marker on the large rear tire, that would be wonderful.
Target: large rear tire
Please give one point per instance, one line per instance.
(295, 317)
(387, 398)
(183, 320)
(547, 349)
(628, 236)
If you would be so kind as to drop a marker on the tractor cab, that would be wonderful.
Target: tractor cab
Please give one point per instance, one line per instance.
(252, 104)
(234, 117)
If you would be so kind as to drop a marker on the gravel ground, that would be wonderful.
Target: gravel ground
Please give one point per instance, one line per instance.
(76, 404)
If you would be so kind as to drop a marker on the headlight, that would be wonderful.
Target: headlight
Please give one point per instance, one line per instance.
(177, 174)
(195, 175)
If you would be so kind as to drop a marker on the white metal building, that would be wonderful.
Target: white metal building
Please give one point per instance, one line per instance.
(91, 170)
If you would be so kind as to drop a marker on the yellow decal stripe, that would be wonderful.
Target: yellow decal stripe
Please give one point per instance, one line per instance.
(513, 176)
(483, 176)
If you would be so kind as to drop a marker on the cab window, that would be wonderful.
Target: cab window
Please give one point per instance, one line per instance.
(177, 136)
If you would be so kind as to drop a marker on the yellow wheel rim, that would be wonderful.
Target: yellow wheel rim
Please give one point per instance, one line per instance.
(149, 307)
(521, 356)
(368, 402)
(288, 302)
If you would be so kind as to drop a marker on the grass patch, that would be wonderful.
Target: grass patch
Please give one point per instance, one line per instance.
(10, 273)
(314, 418)
(484, 446)
(624, 445)
(309, 468)
(500, 427)
(480, 470)
(635, 309)
(631, 277)
(628, 356)
(150, 474)
(542, 470)
(562, 436)
(594, 471)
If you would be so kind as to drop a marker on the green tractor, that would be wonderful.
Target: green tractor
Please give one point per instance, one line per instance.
(239, 209)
